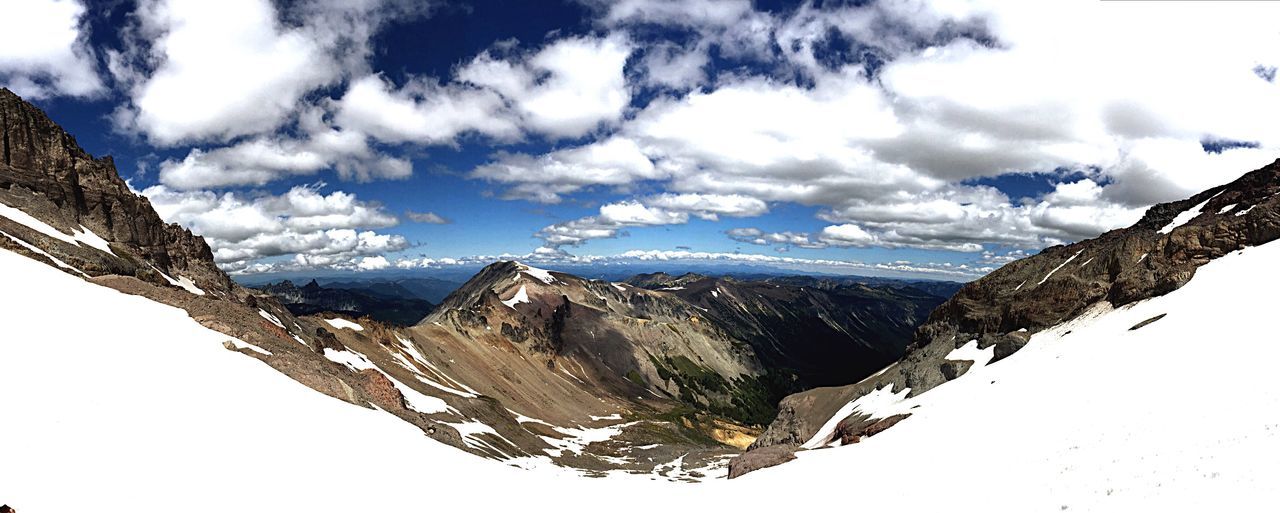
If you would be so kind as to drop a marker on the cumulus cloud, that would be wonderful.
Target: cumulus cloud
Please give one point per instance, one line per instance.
(903, 104)
(43, 51)
(423, 111)
(319, 230)
(261, 160)
(566, 89)
(201, 71)
(615, 161)
(659, 210)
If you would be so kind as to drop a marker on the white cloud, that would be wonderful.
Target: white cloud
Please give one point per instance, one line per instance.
(965, 90)
(373, 263)
(427, 217)
(675, 67)
(569, 88)
(43, 51)
(659, 210)
(614, 161)
(847, 235)
(221, 70)
(550, 257)
(318, 229)
(423, 112)
(261, 160)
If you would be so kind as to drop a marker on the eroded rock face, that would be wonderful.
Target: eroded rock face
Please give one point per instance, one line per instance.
(43, 171)
(1003, 309)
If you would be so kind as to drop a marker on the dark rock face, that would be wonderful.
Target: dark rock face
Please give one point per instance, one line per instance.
(44, 171)
(1003, 309)
(853, 429)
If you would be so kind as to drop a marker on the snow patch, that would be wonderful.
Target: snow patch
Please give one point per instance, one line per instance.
(541, 274)
(84, 236)
(268, 316)
(344, 324)
(1060, 266)
(184, 283)
(970, 352)
(1186, 216)
(42, 252)
(577, 439)
(240, 344)
(1227, 208)
(521, 296)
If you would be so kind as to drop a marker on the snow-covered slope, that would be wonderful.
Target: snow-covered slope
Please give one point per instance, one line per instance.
(113, 402)
(1180, 414)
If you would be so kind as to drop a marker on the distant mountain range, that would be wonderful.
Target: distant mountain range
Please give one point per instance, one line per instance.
(388, 302)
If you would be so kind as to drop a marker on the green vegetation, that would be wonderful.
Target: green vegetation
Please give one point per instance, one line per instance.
(747, 400)
(635, 377)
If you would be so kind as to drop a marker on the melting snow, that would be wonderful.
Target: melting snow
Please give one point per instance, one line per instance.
(42, 252)
(1055, 269)
(354, 360)
(970, 352)
(613, 416)
(1186, 216)
(1245, 211)
(1227, 208)
(82, 237)
(240, 344)
(672, 288)
(878, 404)
(185, 283)
(540, 274)
(268, 316)
(418, 357)
(469, 431)
(343, 323)
(521, 296)
(579, 438)
(619, 287)
(416, 400)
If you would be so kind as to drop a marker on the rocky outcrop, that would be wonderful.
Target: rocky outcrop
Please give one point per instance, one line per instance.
(758, 459)
(1003, 309)
(45, 173)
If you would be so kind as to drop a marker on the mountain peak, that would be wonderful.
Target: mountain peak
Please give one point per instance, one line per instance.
(47, 175)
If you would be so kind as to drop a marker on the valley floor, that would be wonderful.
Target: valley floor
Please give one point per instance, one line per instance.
(113, 402)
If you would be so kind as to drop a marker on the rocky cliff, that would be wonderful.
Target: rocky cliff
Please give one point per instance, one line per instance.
(46, 174)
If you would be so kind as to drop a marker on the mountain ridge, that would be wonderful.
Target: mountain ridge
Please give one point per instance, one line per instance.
(1002, 310)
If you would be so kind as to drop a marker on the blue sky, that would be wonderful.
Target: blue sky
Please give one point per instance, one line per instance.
(926, 139)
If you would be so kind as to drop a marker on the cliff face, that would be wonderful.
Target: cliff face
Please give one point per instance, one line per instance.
(44, 172)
